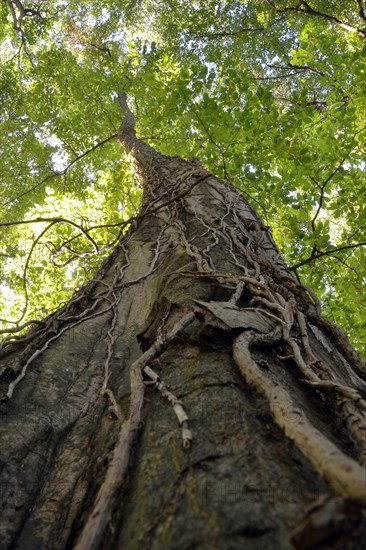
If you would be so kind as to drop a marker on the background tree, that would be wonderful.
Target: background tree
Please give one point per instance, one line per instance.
(69, 199)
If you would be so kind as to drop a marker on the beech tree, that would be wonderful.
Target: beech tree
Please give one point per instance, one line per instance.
(192, 393)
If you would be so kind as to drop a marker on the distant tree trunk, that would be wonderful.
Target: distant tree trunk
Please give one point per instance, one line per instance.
(264, 412)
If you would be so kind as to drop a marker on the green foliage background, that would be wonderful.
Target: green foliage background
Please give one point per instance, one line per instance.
(269, 95)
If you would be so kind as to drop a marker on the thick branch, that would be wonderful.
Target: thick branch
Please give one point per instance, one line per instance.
(17, 19)
(305, 8)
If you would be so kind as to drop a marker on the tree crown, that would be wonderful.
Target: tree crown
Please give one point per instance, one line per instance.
(268, 95)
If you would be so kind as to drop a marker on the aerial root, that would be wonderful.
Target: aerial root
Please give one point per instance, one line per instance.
(342, 473)
(177, 404)
(112, 486)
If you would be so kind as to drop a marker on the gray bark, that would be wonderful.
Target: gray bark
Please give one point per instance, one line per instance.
(92, 457)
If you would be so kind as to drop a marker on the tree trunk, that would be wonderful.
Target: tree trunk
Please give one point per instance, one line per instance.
(265, 411)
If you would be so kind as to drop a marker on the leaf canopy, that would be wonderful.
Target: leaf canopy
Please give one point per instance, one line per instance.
(269, 95)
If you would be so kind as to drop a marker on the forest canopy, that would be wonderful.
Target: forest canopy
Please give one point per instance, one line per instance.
(268, 95)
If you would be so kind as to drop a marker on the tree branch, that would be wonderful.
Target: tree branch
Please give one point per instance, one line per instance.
(305, 68)
(305, 8)
(361, 11)
(226, 34)
(315, 254)
(26, 296)
(54, 220)
(62, 172)
(322, 189)
(16, 5)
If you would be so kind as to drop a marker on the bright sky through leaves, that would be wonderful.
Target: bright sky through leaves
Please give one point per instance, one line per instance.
(270, 95)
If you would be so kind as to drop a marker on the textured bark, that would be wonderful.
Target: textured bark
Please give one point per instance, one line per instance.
(92, 457)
